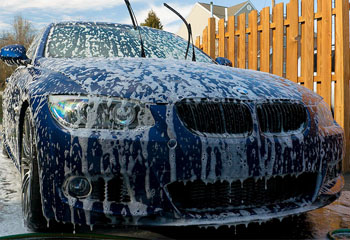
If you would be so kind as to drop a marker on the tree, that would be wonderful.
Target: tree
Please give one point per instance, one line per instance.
(152, 21)
(22, 32)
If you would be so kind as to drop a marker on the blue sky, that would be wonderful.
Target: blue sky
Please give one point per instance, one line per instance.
(42, 12)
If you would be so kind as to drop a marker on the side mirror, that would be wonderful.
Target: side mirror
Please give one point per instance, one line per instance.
(223, 61)
(14, 55)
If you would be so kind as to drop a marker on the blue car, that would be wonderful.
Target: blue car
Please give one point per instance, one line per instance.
(102, 135)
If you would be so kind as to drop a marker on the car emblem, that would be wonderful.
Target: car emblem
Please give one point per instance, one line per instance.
(242, 91)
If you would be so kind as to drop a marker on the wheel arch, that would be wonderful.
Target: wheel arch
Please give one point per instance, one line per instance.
(24, 107)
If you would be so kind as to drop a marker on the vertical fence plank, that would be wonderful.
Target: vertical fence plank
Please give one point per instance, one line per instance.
(231, 39)
(319, 87)
(205, 40)
(221, 29)
(265, 40)
(307, 44)
(253, 40)
(198, 42)
(242, 41)
(292, 41)
(342, 71)
(278, 40)
(211, 37)
(326, 54)
(319, 40)
(319, 43)
(292, 21)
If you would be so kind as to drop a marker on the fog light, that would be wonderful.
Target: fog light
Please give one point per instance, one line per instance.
(78, 187)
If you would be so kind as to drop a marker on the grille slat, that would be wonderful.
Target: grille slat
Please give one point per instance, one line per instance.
(211, 117)
(198, 195)
(98, 189)
(114, 189)
(282, 116)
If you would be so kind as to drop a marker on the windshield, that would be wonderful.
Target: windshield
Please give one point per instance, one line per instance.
(74, 40)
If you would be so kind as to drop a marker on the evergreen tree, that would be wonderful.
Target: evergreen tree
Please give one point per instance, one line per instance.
(152, 21)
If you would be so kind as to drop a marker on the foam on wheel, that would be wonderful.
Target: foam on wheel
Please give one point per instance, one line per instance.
(31, 197)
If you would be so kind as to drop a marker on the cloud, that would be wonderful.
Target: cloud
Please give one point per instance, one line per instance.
(42, 12)
(72, 18)
(169, 20)
(84, 18)
(173, 27)
(59, 5)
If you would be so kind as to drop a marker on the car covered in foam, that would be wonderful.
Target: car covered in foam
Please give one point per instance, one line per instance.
(104, 136)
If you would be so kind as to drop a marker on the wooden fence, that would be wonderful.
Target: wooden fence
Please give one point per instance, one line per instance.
(289, 44)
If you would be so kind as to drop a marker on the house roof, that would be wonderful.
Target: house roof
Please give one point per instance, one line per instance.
(219, 11)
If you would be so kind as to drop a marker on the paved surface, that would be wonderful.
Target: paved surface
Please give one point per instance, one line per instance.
(315, 224)
(347, 182)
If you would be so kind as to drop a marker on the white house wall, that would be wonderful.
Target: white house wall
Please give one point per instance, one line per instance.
(198, 18)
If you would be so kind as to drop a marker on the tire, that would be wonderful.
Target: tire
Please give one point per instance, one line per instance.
(31, 197)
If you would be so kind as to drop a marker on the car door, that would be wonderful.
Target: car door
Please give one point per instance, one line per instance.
(14, 96)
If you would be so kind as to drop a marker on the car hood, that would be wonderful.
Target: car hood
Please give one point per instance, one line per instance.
(168, 80)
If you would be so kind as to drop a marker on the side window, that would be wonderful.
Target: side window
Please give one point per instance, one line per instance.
(32, 48)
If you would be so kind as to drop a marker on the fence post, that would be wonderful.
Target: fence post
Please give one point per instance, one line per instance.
(242, 41)
(265, 40)
(307, 44)
(231, 39)
(319, 49)
(222, 37)
(205, 40)
(342, 72)
(292, 40)
(253, 40)
(198, 42)
(278, 39)
(211, 37)
(326, 56)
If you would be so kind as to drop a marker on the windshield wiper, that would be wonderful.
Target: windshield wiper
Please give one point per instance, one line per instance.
(136, 26)
(189, 30)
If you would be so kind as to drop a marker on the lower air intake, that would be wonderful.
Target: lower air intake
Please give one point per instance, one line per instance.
(198, 195)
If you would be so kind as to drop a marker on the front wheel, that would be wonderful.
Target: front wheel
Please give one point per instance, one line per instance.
(31, 197)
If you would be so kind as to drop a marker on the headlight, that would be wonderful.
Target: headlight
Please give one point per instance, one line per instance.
(99, 112)
(324, 115)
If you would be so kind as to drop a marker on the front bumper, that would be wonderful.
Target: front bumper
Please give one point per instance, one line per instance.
(244, 216)
(147, 164)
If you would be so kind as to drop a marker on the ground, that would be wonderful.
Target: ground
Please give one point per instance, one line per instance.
(314, 224)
